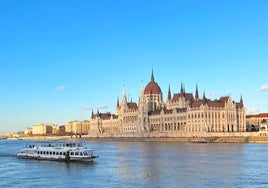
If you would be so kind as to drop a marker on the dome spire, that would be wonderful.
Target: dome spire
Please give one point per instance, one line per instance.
(152, 76)
(152, 87)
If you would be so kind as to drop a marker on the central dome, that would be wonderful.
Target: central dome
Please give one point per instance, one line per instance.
(152, 87)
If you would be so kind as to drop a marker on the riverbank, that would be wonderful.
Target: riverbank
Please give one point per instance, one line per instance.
(251, 139)
(216, 139)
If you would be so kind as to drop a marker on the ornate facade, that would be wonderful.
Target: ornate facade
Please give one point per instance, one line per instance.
(182, 112)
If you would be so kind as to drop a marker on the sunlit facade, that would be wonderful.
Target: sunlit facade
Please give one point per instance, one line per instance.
(182, 112)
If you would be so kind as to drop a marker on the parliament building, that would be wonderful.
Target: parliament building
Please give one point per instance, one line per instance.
(182, 112)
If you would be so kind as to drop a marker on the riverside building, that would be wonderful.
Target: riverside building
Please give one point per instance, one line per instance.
(181, 113)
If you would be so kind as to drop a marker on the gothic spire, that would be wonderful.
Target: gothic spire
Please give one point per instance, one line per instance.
(181, 93)
(92, 114)
(117, 104)
(241, 101)
(124, 97)
(196, 93)
(169, 93)
(204, 96)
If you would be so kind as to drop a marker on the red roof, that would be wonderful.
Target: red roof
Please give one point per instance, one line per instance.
(261, 115)
(152, 88)
(188, 97)
(132, 105)
(104, 116)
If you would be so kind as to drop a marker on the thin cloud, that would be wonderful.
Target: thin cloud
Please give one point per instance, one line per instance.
(99, 107)
(87, 108)
(102, 107)
(209, 95)
(60, 88)
(263, 88)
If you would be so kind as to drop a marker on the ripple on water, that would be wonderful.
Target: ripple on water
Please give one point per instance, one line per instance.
(142, 164)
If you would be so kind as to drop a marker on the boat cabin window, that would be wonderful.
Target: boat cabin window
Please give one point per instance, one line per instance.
(72, 153)
(76, 153)
(69, 145)
(85, 153)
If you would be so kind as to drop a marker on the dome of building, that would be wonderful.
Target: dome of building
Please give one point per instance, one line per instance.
(152, 87)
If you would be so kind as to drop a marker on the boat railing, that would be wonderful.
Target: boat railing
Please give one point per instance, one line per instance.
(70, 144)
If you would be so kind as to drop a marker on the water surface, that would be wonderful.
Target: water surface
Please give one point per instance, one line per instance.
(142, 164)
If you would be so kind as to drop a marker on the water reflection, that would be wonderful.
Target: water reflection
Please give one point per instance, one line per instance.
(181, 164)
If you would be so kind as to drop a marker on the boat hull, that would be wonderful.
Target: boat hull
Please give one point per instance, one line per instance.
(87, 159)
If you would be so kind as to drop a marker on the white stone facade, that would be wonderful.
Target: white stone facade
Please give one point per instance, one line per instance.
(182, 113)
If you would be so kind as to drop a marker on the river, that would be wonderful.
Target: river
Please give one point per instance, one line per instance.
(142, 164)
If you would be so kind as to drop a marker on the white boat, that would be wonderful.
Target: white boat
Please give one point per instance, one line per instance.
(58, 151)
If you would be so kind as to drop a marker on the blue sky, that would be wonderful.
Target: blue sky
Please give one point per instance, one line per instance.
(60, 59)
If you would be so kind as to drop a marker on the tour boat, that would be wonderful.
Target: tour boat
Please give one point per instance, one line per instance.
(58, 151)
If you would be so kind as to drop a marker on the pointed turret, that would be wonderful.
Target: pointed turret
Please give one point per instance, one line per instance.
(169, 93)
(124, 97)
(117, 104)
(241, 101)
(181, 92)
(92, 114)
(204, 96)
(196, 93)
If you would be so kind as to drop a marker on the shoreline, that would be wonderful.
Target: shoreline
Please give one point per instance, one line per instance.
(254, 139)
(218, 139)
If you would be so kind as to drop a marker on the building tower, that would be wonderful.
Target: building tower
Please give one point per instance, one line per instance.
(143, 112)
(196, 93)
(153, 95)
